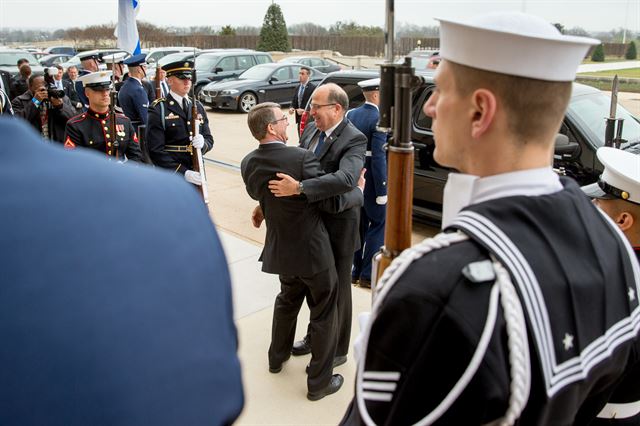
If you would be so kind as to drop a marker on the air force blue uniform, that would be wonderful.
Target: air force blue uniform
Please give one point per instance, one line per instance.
(107, 317)
(372, 218)
(134, 101)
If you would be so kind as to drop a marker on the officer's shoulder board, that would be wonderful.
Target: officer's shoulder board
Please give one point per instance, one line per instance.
(157, 101)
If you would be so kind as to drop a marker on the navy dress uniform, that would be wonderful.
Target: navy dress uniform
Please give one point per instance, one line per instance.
(132, 97)
(79, 87)
(373, 213)
(101, 332)
(525, 309)
(620, 183)
(91, 129)
(169, 130)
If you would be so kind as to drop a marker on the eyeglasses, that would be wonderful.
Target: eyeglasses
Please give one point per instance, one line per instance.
(284, 117)
(318, 106)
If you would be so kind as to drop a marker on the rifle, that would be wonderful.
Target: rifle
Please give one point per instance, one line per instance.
(396, 84)
(112, 116)
(157, 82)
(613, 136)
(196, 153)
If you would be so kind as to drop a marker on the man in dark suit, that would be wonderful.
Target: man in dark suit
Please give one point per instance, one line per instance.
(373, 213)
(69, 85)
(48, 116)
(99, 331)
(340, 147)
(297, 247)
(302, 95)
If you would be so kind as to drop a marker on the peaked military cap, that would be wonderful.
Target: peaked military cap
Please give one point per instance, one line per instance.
(96, 80)
(620, 178)
(180, 69)
(136, 60)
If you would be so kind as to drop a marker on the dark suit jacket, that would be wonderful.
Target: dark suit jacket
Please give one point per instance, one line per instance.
(127, 318)
(72, 94)
(306, 95)
(297, 241)
(342, 158)
(58, 117)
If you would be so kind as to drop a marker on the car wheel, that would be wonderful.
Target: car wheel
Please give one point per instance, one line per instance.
(247, 101)
(197, 89)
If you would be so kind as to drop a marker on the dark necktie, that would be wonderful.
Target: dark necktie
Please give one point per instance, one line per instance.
(320, 143)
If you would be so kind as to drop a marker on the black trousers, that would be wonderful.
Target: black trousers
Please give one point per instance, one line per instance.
(321, 292)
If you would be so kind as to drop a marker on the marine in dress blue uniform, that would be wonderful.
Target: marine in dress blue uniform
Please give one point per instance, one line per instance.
(91, 129)
(169, 134)
(373, 213)
(132, 97)
(120, 321)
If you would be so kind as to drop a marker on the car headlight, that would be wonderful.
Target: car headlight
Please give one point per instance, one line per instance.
(229, 92)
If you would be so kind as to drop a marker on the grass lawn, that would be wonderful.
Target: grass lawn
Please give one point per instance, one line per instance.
(626, 73)
(607, 59)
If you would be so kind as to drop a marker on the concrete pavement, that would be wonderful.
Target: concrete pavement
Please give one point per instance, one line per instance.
(606, 66)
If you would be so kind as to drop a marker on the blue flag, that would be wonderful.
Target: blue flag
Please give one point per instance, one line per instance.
(127, 30)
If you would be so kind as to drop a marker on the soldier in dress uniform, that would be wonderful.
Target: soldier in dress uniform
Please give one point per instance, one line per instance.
(90, 63)
(617, 193)
(132, 96)
(373, 213)
(169, 134)
(525, 308)
(91, 129)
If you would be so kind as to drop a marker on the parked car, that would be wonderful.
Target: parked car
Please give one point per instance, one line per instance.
(320, 64)
(157, 53)
(9, 64)
(423, 59)
(581, 134)
(216, 64)
(75, 60)
(56, 58)
(261, 83)
(67, 50)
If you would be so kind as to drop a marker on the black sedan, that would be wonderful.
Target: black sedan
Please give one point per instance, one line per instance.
(581, 134)
(53, 59)
(320, 64)
(261, 83)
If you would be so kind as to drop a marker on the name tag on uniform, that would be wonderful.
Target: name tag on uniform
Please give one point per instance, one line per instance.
(172, 116)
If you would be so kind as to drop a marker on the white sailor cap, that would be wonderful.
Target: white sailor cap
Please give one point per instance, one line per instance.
(116, 58)
(369, 85)
(513, 43)
(620, 178)
(97, 80)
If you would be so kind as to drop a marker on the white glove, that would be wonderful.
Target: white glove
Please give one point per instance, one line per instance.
(193, 177)
(198, 141)
(382, 200)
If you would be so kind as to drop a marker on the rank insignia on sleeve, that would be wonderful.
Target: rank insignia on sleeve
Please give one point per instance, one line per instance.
(68, 144)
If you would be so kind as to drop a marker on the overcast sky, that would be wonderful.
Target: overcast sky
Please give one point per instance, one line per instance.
(601, 15)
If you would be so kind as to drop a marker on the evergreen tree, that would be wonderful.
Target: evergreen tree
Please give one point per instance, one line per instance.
(598, 54)
(273, 35)
(227, 30)
(632, 53)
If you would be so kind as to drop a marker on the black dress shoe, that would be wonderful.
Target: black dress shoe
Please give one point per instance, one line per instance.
(301, 347)
(334, 385)
(275, 369)
(354, 280)
(364, 283)
(339, 360)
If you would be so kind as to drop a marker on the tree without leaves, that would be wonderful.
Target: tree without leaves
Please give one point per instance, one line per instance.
(273, 35)
(307, 29)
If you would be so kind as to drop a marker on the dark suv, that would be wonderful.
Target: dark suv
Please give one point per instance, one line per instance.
(581, 134)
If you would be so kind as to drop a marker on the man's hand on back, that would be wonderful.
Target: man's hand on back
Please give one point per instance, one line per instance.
(284, 187)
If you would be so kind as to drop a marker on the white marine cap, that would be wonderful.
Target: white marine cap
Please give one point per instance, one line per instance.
(513, 43)
(115, 58)
(100, 79)
(620, 178)
(369, 85)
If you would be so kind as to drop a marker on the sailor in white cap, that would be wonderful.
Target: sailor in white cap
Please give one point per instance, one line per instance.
(525, 309)
(373, 213)
(95, 129)
(617, 193)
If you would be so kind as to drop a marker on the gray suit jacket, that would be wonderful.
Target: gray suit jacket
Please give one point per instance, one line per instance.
(342, 159)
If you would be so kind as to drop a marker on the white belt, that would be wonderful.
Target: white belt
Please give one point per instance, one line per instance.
(620, 411)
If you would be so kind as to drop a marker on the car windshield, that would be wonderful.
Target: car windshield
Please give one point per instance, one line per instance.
(11, 58)
(591, 111)
(205, 63)
(256, 73)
